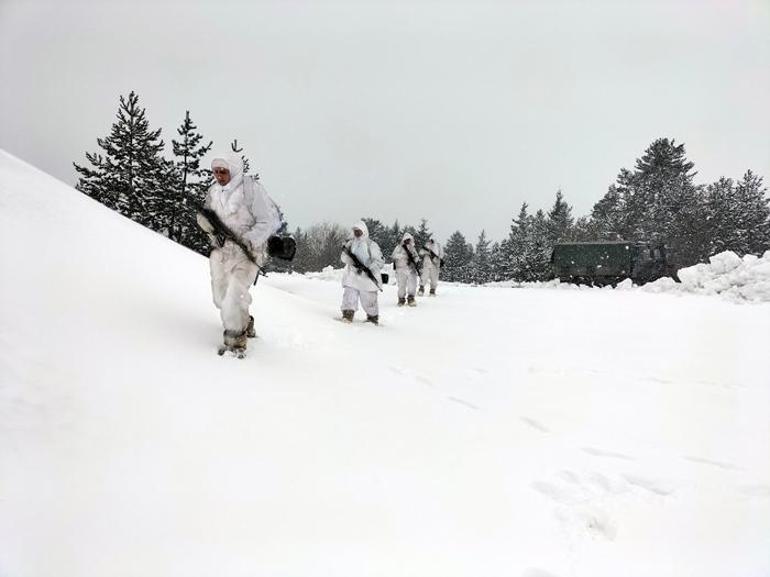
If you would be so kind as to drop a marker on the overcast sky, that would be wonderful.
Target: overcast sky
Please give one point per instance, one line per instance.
(456, 111)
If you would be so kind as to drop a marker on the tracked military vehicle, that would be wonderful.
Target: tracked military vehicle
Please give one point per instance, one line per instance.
(602, 263)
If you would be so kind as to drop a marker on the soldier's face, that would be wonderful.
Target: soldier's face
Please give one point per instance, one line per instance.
(222, 175)
(357, 232)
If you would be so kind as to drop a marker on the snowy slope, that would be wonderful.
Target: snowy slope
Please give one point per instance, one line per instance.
(532, 433)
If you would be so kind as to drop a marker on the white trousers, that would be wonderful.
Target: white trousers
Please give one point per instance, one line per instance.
(429, 276)
(232, 275)
(351, 296)
(407, 281)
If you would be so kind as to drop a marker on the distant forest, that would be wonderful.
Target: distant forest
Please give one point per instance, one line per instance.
(658, 200)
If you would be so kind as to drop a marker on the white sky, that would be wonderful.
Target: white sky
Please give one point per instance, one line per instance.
(456, 111)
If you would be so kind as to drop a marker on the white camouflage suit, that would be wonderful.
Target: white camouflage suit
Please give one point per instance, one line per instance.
(406, 273)
(245, 208)
(357, 285)
(431, 266)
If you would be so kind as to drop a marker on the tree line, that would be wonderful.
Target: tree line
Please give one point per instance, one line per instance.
(658, 200)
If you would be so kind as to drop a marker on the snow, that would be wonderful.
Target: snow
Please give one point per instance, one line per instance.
(489, 431)
(738, 279)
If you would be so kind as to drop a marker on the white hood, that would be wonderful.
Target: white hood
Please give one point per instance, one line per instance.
(234, 164)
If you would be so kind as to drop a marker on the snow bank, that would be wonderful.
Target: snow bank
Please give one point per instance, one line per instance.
(738, 279)
(329, 273)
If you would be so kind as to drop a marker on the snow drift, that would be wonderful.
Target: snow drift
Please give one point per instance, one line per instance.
(487, 432)
(738, 279)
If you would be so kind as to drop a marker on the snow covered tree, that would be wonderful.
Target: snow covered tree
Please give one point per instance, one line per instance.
(560, 220)
(191, 184)
(390, 237)
(518, 245)
(422, 234)
(754, 214)
(458, 255)
(536, 261)
(499, 260)
(481, 265)
(608, 216)
(658, 201)
(303, 259)
(131, 176)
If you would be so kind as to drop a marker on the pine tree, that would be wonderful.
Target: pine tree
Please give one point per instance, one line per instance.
(499, 260)
(457, 259)
(753, 222)
(537, 255)
(518, 245)
(302, 260)
(608, 216)
(191, 183)
(482, 260)
(131, 177)
(422, 234)
(560, 220)
(721, 217)
(390, 237)
(658, 202)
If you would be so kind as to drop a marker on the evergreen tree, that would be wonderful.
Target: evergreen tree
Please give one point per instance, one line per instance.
(191, 183)
(458, 255)
(560, 220)
(389, 238)
(518, 246)
(302, 260)
(752, 227)
(537, 252)
(422, 234)
(499, 261)
(658, 201)
(481, 265)
(608, 216)
(131, 177)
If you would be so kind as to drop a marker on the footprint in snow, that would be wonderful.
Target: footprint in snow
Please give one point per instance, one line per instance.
(579, 503)
(535, 424)
(464, 403)
(602, 453)
(718, 464)
(653, 486)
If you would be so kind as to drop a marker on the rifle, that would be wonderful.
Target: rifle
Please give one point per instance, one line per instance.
(412, 261)
(223, 233)
(434, 255)
(361, 267)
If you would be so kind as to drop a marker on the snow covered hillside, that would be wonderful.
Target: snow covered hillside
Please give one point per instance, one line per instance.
(489, 432)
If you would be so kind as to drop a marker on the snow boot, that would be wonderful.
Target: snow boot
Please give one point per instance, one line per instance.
(250, 332)
(421, 290)
(401, 301)
(374, 319)
(235, 342)
(347, 316)
(410, 301)
(432, 292)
